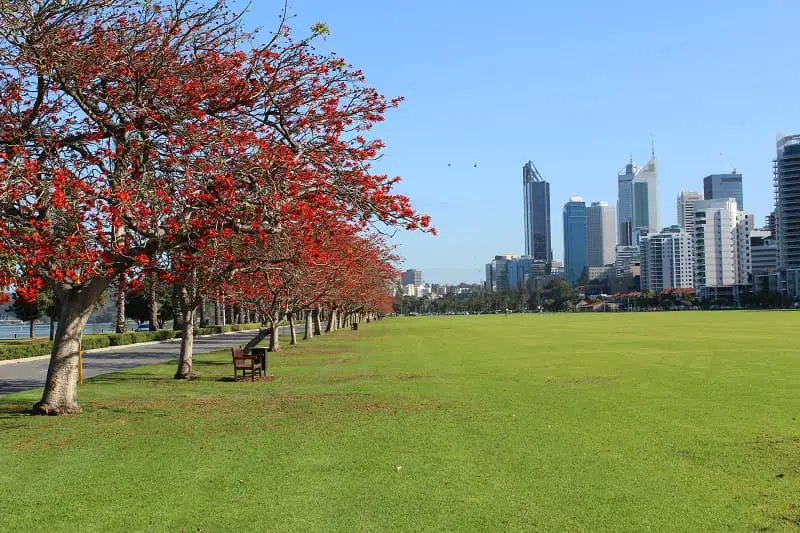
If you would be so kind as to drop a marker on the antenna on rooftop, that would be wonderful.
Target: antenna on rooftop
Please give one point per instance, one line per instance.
(728, 162)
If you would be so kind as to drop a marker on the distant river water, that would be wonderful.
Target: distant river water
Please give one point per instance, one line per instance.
(21, 331)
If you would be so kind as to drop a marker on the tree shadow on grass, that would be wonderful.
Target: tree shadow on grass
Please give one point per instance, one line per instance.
(214, 363)
(13, 410)
(129, 378)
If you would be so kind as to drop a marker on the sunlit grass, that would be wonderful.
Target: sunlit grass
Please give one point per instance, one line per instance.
(608, 422)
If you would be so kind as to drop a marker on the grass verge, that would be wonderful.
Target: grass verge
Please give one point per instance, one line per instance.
(616, 422)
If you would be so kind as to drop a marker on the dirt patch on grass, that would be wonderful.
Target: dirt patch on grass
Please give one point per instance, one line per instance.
(770, 440)
(351, 377)
(588, 380)
(338, 361)
(31, 444)
(412, 377)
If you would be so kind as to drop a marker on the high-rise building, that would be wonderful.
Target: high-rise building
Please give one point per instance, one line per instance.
(519, 271)
(536, 193)
(721, 244)
(497, 273)
(721, 186)
(412, 277)
(625, 205)
(601, 235)
(637, 202)
(645, 200)
(686, 200)
(667, 260)
(787, 212)
(574, 239)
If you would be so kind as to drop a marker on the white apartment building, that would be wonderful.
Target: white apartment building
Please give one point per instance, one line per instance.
(626, 257)
(667, 260)
(686, 201)
(721, 244)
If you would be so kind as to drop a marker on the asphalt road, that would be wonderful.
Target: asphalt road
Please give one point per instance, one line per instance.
(27, 374)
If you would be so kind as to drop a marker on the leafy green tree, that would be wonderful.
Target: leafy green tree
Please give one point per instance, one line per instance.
(137, 306)
(31, 311)
(558, 296)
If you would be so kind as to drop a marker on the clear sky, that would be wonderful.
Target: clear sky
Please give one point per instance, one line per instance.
(576, 86)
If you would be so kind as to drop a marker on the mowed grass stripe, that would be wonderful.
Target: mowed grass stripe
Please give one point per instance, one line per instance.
(605, 422)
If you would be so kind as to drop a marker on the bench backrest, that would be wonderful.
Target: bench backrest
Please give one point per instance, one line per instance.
(238, 357)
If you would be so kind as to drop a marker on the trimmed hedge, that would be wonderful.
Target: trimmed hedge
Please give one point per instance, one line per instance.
(91, 342)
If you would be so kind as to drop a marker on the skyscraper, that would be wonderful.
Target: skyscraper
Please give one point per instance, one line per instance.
(601, 235)
(721, 186)
(574, 239)
(667, 260)
(497, 273)
(787, 212)
(637, 201)
(536, 193)
(625, 204)
(645, 200)
(686, 200)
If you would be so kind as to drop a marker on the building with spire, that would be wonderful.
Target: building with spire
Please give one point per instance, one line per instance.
(637, 201)
(536, 194)
(645, 200)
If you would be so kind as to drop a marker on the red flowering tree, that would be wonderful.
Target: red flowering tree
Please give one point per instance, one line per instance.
(133, 130)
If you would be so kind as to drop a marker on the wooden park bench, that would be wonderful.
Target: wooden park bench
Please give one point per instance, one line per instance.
(246, 363)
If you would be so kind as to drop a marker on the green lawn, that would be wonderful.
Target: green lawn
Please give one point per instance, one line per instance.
(607, 422)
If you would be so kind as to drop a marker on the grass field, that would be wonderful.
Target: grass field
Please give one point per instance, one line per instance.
(606, 422)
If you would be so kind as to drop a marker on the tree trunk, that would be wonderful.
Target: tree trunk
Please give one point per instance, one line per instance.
(292, 332)
(120, 304)
(177, 321)
(315, 316)
(32, 328)
(52, 329)
(152, 299)
(202, 310)
(187, 344)
(262, 334)
(274, 338)
(222, 312)
(331, 326)
(341, 320)
(216, 312)
(60, 395)
(309, 326)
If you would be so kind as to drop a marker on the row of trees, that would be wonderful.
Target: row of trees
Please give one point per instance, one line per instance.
(558, 296)
(555, 296)
(163, 141)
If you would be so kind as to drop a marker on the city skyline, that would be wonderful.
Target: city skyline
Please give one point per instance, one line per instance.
(581, 126)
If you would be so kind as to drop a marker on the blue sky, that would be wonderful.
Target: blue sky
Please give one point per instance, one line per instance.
(575, 86)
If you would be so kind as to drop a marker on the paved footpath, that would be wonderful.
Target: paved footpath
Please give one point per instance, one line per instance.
(24, 374)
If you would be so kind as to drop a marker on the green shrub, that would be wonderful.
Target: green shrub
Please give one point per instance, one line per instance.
(91, 342)
(100, 340)
(21, 351)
